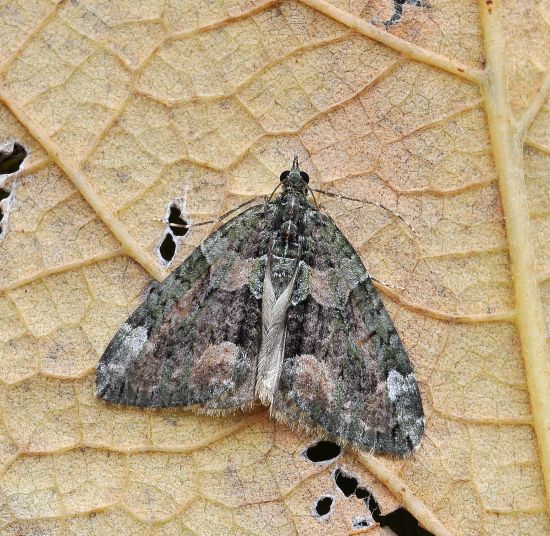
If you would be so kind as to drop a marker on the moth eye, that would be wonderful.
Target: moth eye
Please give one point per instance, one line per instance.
(304, 176)
(284, 175)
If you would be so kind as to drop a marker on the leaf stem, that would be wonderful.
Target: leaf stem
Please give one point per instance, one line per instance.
(400, 45)
(405, 495)
(507, 138)
(129, 245)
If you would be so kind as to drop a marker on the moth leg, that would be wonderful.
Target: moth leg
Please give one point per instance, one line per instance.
(366, 202)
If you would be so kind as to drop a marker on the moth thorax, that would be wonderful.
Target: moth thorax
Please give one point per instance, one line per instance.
(289, 230)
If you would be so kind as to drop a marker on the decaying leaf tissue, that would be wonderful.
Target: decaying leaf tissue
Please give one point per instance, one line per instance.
(275, 305)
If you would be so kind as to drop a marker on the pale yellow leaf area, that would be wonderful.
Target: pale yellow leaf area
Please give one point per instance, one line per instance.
(127, 106)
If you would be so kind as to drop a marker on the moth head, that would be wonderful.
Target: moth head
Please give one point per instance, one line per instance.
(294, 179)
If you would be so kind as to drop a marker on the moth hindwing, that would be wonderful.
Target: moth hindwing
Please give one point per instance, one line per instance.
(274, 306)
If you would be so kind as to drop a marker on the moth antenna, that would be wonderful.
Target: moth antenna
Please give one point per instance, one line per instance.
(215, 220)
(164, 220)
(379, 205)
(313, 195)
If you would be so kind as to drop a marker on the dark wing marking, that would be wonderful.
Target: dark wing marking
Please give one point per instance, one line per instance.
(345, 368)
(195, 338)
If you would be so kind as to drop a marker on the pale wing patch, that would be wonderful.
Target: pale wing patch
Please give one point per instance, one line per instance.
(215, 366)
(132, 342)
(312, 380)
(399, 386)
(328, 290)
(400, 390)
(238, 275)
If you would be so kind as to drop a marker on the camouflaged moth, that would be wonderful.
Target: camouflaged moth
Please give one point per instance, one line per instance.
(275, 306)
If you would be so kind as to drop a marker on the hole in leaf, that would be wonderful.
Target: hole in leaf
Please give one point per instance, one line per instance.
(10, 161)
(168, 248)
(403, 523)
(398, 10)
(400, 521)
(361, 493)
(177, 224)
(323, 505)
(347, 483)
(372, 505)
(360, 522)
(323, 451)
(3, 195)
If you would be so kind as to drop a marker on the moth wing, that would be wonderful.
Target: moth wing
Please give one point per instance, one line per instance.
(195, 338)
(345, 369)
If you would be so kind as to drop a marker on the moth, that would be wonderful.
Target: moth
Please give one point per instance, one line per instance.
(275, 306)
